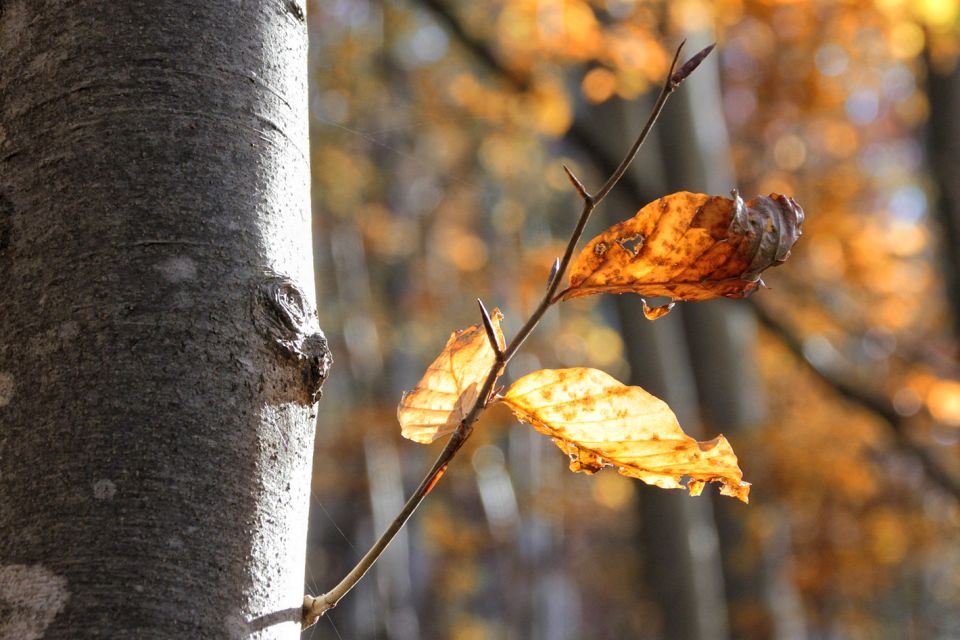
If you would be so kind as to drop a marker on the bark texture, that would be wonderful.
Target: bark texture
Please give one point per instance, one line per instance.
(159, 351)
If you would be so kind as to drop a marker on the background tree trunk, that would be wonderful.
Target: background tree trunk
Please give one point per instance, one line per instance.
(701, 356)
(159, 353)
(943, 146)
(721, 336)
(681, 554)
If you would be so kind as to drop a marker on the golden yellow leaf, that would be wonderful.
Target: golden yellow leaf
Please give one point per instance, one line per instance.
(689, 246)
(598, 421)
(449, 388)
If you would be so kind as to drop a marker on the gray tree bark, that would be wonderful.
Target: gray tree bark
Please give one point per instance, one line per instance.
(159, 352)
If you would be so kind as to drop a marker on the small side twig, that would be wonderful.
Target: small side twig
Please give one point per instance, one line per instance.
(579, 136)
(575, 181)
(314, 607)
(491, 333)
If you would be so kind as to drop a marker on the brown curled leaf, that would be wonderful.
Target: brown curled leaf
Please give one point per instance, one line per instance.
(449, 388)
(689, 246)
(597, 421)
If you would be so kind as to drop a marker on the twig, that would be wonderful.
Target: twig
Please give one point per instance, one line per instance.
(669, 86)
(879, 406)
(554, 271)
(314, 607)
(602, 159)
(575, 181)
(491, 333)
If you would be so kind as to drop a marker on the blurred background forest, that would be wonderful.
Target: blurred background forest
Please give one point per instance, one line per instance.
(438, 132)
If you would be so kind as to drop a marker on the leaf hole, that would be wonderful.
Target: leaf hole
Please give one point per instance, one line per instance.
(632, 244)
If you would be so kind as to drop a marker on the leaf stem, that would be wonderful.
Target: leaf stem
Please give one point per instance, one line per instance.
(314, 607)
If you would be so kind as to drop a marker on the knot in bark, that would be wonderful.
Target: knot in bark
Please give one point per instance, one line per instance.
(283, 314)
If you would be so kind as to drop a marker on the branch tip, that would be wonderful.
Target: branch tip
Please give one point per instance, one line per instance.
(577, 184)
(669, 85)
(314, 608)
(491, 332)
(690, 65)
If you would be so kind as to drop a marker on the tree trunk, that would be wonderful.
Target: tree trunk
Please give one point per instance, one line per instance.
(943, 146)
(159, 353)
(681, 553)
(721, 336)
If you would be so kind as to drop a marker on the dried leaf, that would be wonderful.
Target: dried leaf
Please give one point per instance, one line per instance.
(656, 313)
(449, 388)
(598, 421)
(689, 246)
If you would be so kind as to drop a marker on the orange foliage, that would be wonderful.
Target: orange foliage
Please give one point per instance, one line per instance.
(450, 386)
(599, 422)
(689, 246)
(419, 167)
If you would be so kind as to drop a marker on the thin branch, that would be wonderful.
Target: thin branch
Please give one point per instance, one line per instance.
(879, 406)
(669, 86)
(575, 181)
(554, 271)
(589, 204)
(313, 608)
(579, 136)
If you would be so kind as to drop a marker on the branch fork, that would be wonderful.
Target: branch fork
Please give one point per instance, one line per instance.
(315, 607)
